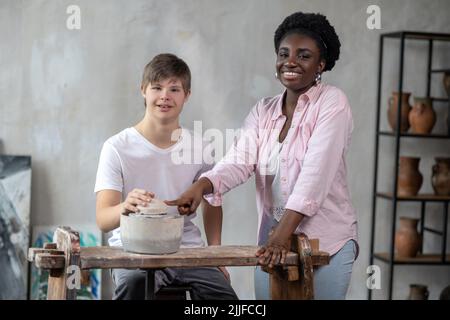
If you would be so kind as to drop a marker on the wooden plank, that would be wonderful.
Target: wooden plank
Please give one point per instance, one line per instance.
(278, 287)
(49, 261)
(212, 256)
(320, 258)
(67, 241)
(284, 284)
(33, 251)
(50, 245)
(314, 245)
(292, 273)
(295, 290)
(115, 257)
(307, 278)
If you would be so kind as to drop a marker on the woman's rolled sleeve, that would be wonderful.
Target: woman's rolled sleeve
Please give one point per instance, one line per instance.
(325, 151)
(215, 198)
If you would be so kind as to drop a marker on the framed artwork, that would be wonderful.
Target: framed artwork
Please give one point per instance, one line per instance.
(15, 196)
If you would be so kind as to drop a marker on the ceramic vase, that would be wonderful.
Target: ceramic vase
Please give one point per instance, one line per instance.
(405, 109)
(422, 117)
(407, 238)
(440, 179)
(409, 177)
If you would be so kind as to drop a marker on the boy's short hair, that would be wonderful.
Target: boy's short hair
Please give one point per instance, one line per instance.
(164, 66)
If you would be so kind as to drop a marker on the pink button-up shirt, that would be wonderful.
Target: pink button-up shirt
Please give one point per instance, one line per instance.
(312, 164)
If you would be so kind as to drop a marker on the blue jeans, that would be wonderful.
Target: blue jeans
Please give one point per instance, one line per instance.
(330, 281)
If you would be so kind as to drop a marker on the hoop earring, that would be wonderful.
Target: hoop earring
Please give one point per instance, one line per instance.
(318, 78)
(276, 75)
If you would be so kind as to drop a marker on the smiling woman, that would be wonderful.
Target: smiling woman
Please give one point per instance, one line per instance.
(301, 136)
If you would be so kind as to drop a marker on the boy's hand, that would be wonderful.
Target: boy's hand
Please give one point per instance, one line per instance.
(189, 201)
(137, 197)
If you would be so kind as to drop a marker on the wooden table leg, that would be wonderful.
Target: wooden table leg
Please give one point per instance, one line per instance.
(150, 284)
(290, 284)
(68, 241)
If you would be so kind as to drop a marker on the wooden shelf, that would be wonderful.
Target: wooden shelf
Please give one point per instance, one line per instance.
(439, 70)
(420, 259)
(419, 197)
(415, 135)
(418, 35)
(440, 99)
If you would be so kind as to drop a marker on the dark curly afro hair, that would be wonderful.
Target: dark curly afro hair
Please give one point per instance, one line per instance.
(316, 26)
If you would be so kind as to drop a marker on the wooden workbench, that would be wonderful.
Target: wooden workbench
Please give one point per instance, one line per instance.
(294, 280)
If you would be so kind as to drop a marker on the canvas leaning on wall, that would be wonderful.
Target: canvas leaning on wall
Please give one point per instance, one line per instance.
(15, 196)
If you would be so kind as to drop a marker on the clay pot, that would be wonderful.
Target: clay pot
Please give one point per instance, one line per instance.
(422, 117)
(409, 177)
(418, 292)
(446, 81)
(151, 234)
(445, 294)
(440, 179)
(407, 239)
(405, 109)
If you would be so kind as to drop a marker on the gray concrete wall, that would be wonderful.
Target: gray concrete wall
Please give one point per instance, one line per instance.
(63, 92)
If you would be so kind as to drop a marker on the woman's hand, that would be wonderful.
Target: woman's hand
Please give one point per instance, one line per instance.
(277, 247)
(189, 201)
(136, 197)
(275, 251)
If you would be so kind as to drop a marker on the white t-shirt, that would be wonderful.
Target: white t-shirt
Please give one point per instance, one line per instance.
(128, 161)
(274, 180)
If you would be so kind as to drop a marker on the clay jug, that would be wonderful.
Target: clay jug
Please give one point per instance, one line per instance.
(405, 109)
(422, 116)
(407, 239)
(446, 81)
(440, 179)
(409, 177)
(418, 292)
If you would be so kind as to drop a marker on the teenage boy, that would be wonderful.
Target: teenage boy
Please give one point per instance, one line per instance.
(137, 164)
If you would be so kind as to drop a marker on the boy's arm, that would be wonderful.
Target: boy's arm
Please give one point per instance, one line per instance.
(108, 209)
(109, 206)
(212, 221)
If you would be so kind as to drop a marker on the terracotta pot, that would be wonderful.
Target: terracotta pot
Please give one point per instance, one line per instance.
(440, 179)
(445, 294)
(422, 117)
(407, 239)
(418, 292)
(405, 109)
(409, 177)
(446, 81)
